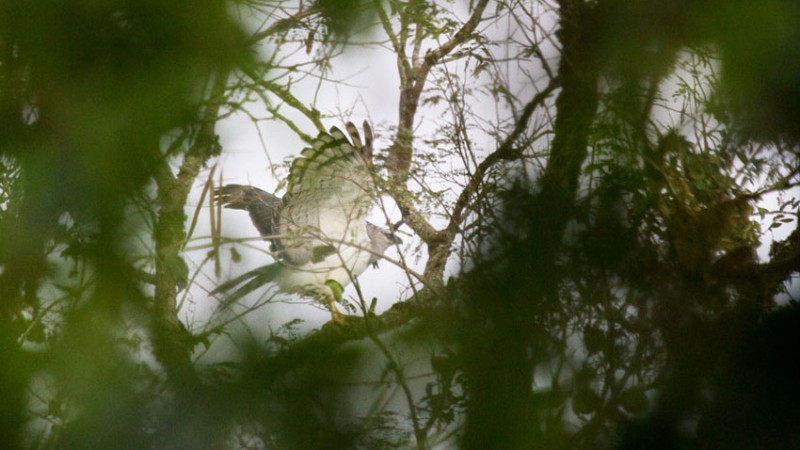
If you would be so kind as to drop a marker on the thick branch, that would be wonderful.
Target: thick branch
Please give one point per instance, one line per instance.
(498, 413)
(401, 152)
(169, 347)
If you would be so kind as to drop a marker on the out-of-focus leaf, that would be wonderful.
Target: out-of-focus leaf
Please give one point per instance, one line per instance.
(634, 400)
(585, 401)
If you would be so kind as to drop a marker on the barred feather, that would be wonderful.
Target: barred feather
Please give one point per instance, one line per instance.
(332, 179)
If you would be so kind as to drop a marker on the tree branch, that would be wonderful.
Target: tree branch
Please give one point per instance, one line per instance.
(505, 151)
(401, 152)
(461, 36)
(172, 351)
(403, 65)
(284, 24)
(498, 413)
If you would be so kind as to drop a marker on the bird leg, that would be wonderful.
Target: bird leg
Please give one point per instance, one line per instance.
(333, 296)
(336, 316)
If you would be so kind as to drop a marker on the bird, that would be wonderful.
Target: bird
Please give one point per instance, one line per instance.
(318, 231)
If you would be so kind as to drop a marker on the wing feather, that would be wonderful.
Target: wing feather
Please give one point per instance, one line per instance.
(330, 190)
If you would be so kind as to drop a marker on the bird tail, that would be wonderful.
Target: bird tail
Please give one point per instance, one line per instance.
(242, 285)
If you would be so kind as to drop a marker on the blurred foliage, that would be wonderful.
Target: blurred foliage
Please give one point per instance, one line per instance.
(614, 298)
(758, 47)
(87, 91)
(661, 299)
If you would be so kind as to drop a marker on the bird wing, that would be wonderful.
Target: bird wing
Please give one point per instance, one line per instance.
(264, 208)
(329, 193)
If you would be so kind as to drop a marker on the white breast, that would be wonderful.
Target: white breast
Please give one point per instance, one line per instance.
(342, 266)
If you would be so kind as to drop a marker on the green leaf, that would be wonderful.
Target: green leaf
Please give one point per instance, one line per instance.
(586, 401)
(634, 400)
(337, 289)
(594, 339)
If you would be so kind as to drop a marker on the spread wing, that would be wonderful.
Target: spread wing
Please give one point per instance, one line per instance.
(264, 208)
(329, 193)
